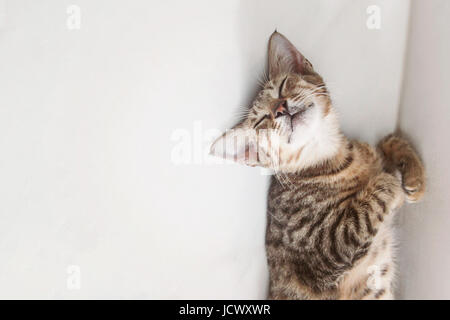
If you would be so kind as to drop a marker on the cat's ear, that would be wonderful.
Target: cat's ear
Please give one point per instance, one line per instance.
(237, 144)
(285, 58)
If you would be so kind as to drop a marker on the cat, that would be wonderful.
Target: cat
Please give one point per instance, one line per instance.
(331, 199)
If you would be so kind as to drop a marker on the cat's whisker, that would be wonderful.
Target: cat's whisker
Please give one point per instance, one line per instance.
(313, 95)
(284, 179)
(241, 112)
(317, 89)
(262, 79)
(265, 75)
(288, 180)
(281, 180)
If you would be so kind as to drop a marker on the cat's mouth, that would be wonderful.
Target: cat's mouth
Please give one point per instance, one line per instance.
(294, 119)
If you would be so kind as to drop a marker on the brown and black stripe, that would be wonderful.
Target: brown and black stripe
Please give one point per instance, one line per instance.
(326, 221)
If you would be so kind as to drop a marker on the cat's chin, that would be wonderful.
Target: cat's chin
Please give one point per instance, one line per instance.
(294, 121)
(294, 141)
(291, 136)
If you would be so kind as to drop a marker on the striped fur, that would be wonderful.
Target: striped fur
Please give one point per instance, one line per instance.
(331, 227)
(331, 201)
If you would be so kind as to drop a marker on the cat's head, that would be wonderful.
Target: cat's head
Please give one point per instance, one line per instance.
(291, 124)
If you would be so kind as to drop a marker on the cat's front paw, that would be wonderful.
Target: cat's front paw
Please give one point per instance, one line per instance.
(413, 179)
(399, 155)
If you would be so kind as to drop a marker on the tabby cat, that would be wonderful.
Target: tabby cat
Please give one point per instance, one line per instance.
(331, 200)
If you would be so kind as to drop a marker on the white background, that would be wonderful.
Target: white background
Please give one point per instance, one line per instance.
(89, 120)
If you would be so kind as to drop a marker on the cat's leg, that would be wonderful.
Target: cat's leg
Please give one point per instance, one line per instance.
(398, 154)
(374, 204)
(367, 239)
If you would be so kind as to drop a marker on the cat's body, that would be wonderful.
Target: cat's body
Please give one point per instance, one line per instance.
(329, 231)
(331, 203)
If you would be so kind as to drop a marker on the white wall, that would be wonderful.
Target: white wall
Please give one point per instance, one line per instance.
(87, 117)
(424, 116)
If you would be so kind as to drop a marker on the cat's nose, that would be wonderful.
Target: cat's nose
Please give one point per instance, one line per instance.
(280, 109)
